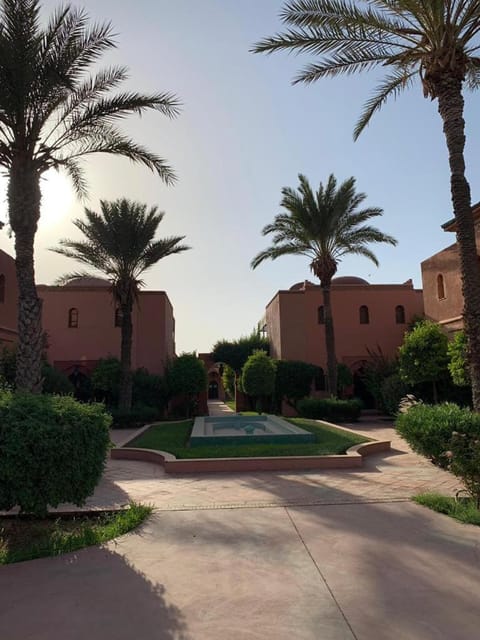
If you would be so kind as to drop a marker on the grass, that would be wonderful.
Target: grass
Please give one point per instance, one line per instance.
(27, 538)
(463, 510)
(231, 404)
(173, 438)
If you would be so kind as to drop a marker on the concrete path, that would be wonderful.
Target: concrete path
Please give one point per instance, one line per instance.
(338, 555)
(218, 408)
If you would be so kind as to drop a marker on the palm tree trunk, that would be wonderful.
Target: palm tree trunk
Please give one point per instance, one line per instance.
(450, 107)
(24, 211)
(330, 342)
(125, 398)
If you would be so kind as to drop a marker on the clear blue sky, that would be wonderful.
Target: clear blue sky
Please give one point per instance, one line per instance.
(244, 133)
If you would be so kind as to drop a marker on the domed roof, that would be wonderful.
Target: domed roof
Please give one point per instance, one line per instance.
(349, 280)
(301, 285)
(88, 281)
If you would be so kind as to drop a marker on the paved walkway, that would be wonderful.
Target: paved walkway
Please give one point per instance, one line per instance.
(335, 555)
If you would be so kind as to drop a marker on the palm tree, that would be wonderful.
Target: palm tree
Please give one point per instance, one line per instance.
(324, 226)
(54, 112)
(435, 41)
(120, 245)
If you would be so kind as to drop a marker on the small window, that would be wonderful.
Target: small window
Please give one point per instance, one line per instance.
(118, 317)
(440, 287)
(319, 379)
(2, 288)
(73, 318)
(321, 314)
(400, 314)
(364, 315)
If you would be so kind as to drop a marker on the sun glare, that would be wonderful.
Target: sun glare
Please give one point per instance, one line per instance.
(57, 198)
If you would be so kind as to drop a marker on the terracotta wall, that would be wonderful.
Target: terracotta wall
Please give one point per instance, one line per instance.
(96, 335)
(297, 335)
(8, 300)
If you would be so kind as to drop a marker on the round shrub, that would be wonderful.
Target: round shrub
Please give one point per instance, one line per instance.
(428, 429)
(52, 450)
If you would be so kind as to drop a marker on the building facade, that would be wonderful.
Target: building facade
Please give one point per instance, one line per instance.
(8, 301)
(442, 281)
(83, 325)
(368, 318)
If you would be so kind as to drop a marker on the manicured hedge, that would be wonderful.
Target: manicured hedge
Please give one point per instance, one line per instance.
(137, 416)
(330, 409)
(428, 429)
(52, 450)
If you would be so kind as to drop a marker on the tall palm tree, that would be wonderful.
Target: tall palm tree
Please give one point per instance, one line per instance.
(53, 112)
(119, 244)
(324, 226)
(436, 42)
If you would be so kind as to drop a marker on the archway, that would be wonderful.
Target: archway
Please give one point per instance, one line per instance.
(213, 390)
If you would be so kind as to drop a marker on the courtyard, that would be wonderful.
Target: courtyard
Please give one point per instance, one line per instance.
(329, 555)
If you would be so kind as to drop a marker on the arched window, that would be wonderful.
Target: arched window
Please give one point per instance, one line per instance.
(321, 315)
(73, 318)
(2, 288)
(319, 379)
(118, 317)
(364, 315)
(440, 287)
(400, 314)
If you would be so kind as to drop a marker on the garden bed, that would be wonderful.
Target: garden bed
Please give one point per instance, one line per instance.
(167, 444)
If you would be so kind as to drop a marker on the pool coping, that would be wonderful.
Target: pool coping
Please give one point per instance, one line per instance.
(352, 459)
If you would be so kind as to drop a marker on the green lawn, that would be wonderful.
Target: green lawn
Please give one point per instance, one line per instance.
(462, 510)
(231, 404)
(26, 538)
(173, 438)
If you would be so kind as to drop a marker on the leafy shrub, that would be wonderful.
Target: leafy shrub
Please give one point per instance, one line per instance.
(392, 390)
(293, 381)
(428, 429)
(330, 409)
(464, 461)
(106, 380)
(137, 416)
(228, 380)
(458, 365)
(258, 377)
(52, 450)
(148, 389)
(55, 381)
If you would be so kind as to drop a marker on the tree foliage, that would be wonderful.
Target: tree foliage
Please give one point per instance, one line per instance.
(458, 365)
(186, 375)
(235, 353)
(423, 356)
(293, 381)
(258, 376)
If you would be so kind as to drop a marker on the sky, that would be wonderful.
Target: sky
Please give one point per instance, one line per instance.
(243, 134)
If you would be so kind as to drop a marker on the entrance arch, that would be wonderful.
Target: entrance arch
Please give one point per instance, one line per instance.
(213, 390)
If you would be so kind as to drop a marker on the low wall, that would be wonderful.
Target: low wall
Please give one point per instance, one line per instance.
(353, 459)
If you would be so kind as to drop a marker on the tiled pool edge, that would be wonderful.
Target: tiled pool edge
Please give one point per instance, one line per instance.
(353, 459)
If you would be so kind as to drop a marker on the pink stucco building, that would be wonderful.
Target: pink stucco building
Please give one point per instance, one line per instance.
(82, 326)
(367, 317)
(8, 300)
(442, 281)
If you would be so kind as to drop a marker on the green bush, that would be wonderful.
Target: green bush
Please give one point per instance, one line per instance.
(148, 390)
(55, 381)
(106, 380)
(392, 390)
(293, 381)
(258, 377)
(52, 450)
(330, 409)
(428, 429)
(137, 416)
(464, 459)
